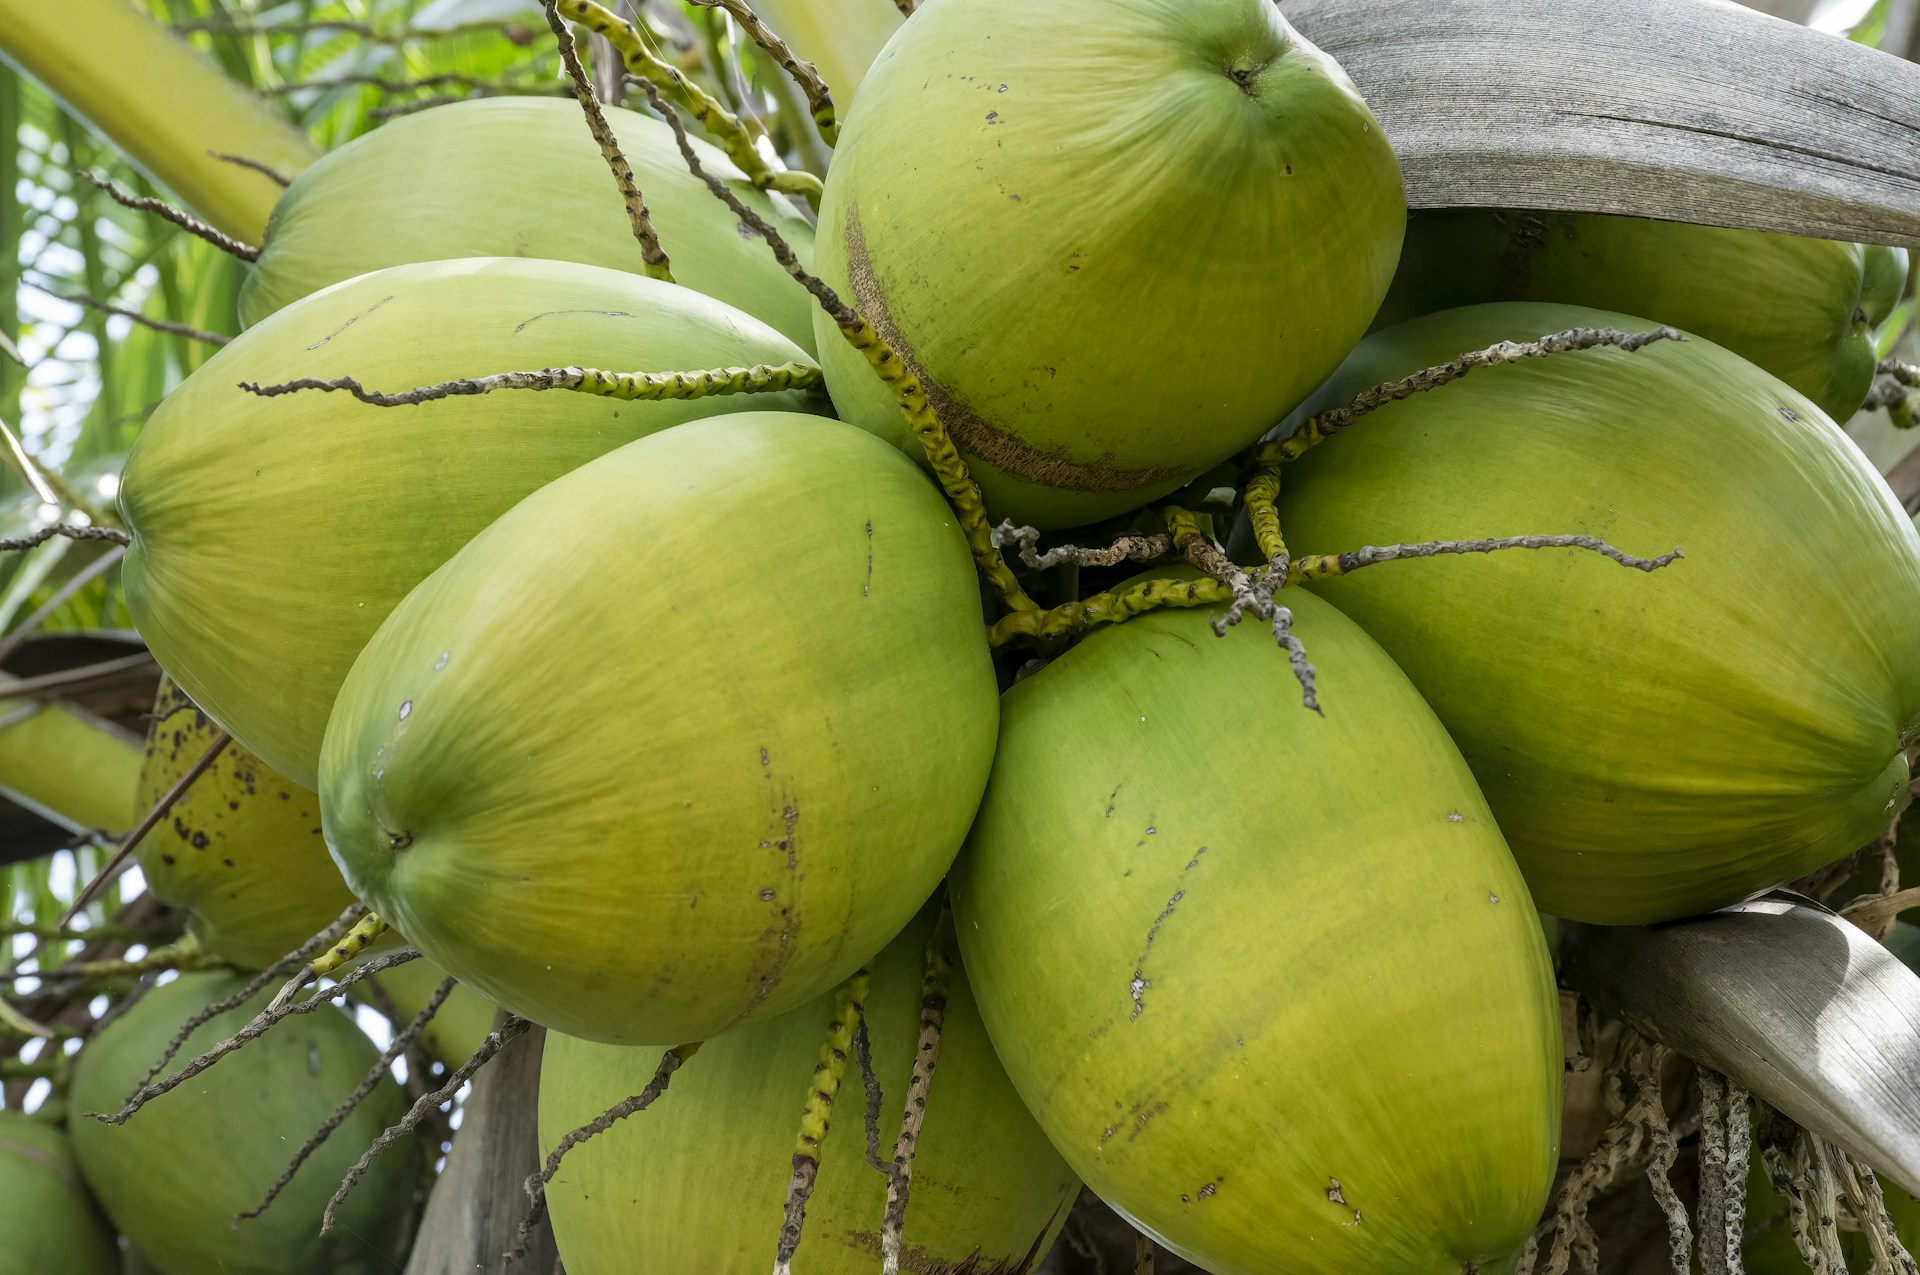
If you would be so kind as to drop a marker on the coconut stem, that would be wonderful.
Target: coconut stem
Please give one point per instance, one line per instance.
(154, 815)
(1721, 1217)
(1645, 1064)
(499, 1038)
(365, 932)
(1328, 566)
(16, 544)
(167, 212)
(804, 74)
(863, 1058)
(257, 1027)
(816, 1118)
(652, 254)
(963, 494)
(764, 378)
(158, 325)
(536, 1185)
(721, 123)
(1625, 1146)
(184, 955)
(933, 1018)
(1869, 1207)
(1330, 422)
(1134, 546)
(1142, 1255)
(1892, 393)
(1070, 619)
(368, 1083)
(906, 7)
(1816, 1227)
(241, 161)
(252, 988)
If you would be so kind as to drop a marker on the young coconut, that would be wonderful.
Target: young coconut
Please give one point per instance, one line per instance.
(1269, 979)
(241, 851)
(753, 772)
(698, 1182)
(272, 535)
(1048, 306)
(48, 1220)
(173, 1191)
(1653, 745)
(1803, 309)
(428, 187)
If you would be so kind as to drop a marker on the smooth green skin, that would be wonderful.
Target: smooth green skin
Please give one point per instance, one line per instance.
(1221, 941)
(242, 852)
(1054, 309)
(1654, 745)
(48, 1220)
(522, 177)
(1803, 309)
(698, 1181)
(681, 740)
(272, 535)
(173, 1177)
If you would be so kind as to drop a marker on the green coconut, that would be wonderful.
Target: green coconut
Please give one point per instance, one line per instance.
(775, 721)
(242, 853)
(272, 535)
(440, 184)
(699, 1181)
(1095, 333)
(175, 1175)
(1654, 745)
(48, 1221)
(1270, 981)
(1803, 309)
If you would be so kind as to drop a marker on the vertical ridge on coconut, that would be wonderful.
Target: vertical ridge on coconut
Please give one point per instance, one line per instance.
(1803, 309)
(1653, 745)
(775, 722)
(1269, 980)
(697, 1181)
(263, 1100)
(429, 188)
(273, 534)
(49, 1223)
(1026, 199)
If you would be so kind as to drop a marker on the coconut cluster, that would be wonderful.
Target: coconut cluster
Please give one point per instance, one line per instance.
(619, 641)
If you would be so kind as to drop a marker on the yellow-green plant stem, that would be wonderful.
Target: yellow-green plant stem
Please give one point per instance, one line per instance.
(184, 955)
(1120, 605)
(722, 124)
(160, 102)
(1261, 489)
(819, 98)
(764, 378)
(656, 264)
(1074, 618)
(841, 37)
(816, 1119)
(357, 940)
(963, 493)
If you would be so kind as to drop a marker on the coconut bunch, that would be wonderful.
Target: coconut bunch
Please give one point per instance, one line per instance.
(1094, 655)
